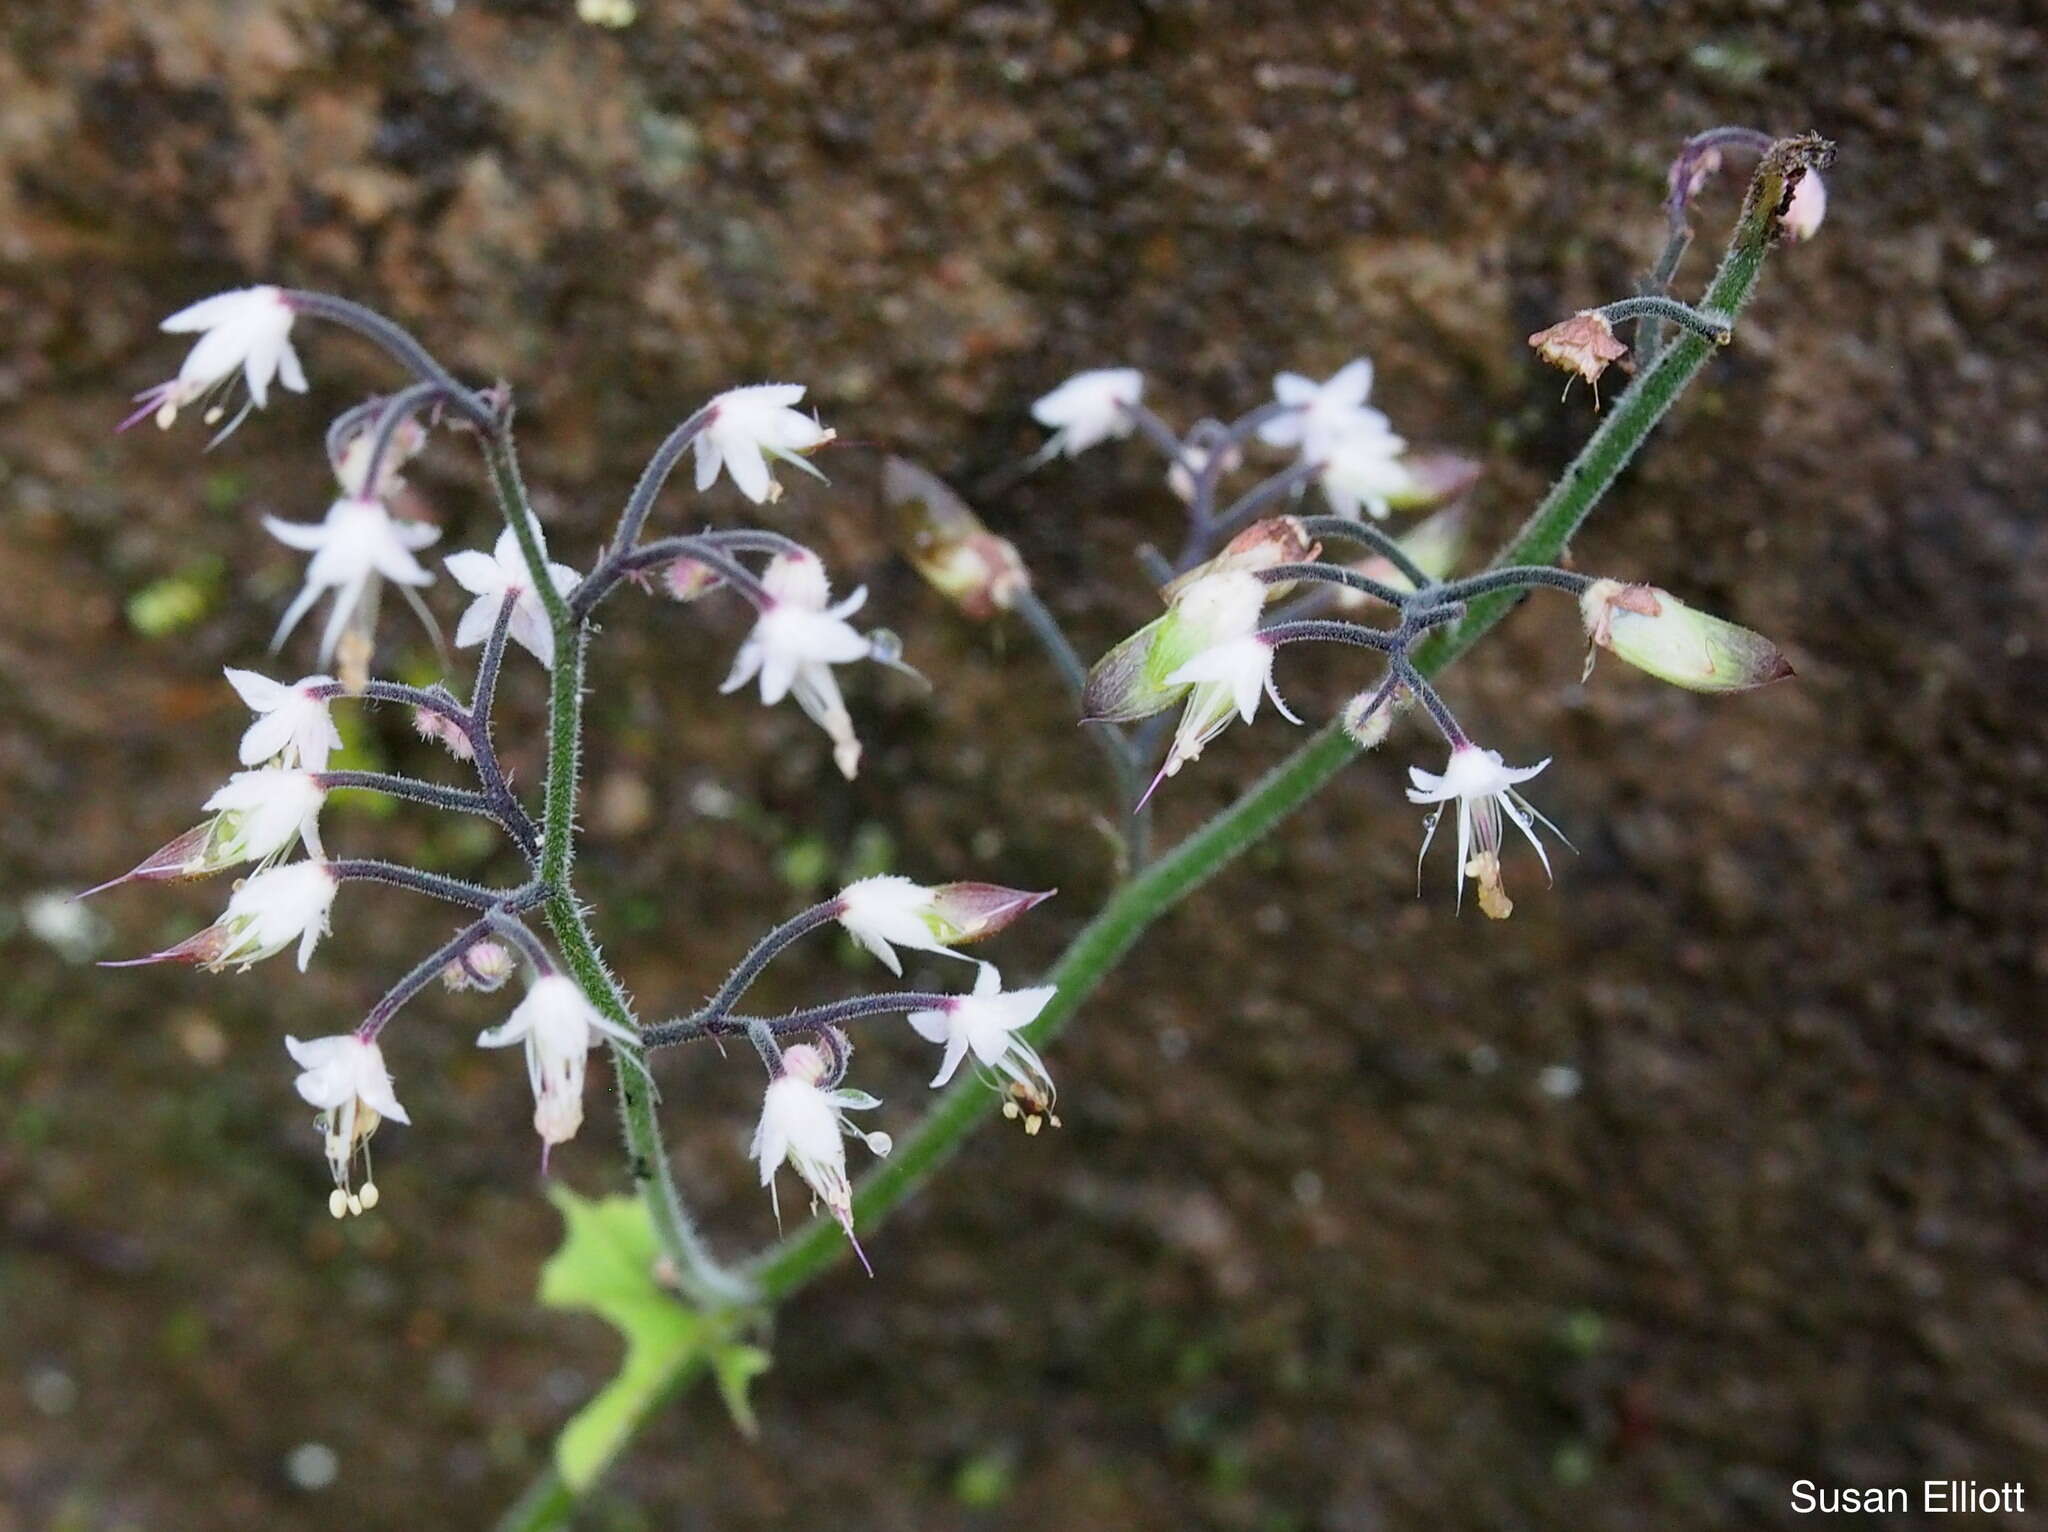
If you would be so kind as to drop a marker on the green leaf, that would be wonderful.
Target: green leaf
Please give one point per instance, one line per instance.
(606, 1265)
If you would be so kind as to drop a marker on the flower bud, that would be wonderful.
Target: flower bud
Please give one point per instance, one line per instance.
(1435, 543)
(485, 966)
(1583, 344)
(1132, 680)
(1435, 478)
(947, 544)
(686, 579)
(1654, 631)
(1805, 208)
(1369, 730)
(443, 730)
(1262, 545)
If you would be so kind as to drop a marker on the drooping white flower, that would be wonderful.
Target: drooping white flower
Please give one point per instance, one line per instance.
(502, 575)
(559, 1028)
(986, 1024)
(1318, 415)
(246, 332)
(750, 425)
(1363, 471)
(887, 912)
(1088, 408)
(802, 1125)
(356, 547)
(294, 725)
(797, 639)
(272, 908)
(1213, 607)
(1227, 679)
(257, 817)
(1483, 787)
(346, 1079)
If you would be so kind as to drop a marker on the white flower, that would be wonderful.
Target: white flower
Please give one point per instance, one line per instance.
(886, 912)
(1482, 786)
(260, 814)
(1229, 678)
(293, 726)
(1363, 471)
(802, 1125)
(797, 639)
(986, 1023)
(559, 1028)
(1320, 414)
(1089, 407)
(257, 817)
(748, 426)
(345, 1078)
(359, 544)
(502, 575)
(247, 331)
(272, 908)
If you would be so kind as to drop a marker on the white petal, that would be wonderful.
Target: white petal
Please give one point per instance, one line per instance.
(478, 618)
(477, 573)
(748, 468)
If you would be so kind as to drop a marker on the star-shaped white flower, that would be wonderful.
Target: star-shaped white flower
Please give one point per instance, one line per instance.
(346, 1079)
(1320, 414)
(1089, 407)
(1227, 679)
(294, 725)
(1362, 471)
(247, 331)
(359, 544)
(797, 639)
(1483, 787)
(502, 575)
(802, 1125)
(559, 1028)
(750, 425)
(986, 1023)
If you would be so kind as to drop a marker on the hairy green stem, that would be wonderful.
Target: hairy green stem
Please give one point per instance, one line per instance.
(1094, 953)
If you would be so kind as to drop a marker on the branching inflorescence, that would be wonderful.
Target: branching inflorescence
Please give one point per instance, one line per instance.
(1250, 576)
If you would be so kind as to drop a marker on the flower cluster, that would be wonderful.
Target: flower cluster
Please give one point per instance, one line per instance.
(371, 537)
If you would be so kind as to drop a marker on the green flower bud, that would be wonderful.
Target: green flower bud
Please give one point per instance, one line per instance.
(1654, 631)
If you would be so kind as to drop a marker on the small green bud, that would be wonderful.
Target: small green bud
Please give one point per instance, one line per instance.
(1654, 631)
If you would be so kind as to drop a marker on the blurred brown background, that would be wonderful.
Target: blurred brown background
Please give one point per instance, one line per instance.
(1722, 1164)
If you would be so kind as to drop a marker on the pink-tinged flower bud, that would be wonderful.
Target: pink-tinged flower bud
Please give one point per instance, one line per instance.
(1436, 544)
(1583, 345)
(485, 967)
(1134, 680)
(444, 731)
(1435, 478)
(1262, 545)
(948, 545)
(886, 912)
(1805, 209)
(687, 579)
(1654, 631)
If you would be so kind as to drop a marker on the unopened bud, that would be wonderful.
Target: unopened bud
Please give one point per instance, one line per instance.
(443, 730)
(485, 966)
(948, 545)
(1435, 478)
(685, 579)
(966, 912)
(1805, 209)
(1654, 631)
(1583, 345)
(1369, 729)
(1262, 545)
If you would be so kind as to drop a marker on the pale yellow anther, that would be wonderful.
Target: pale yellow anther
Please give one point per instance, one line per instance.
(337, 1203)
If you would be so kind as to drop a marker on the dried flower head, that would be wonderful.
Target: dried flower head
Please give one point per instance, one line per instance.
(1583, 345)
